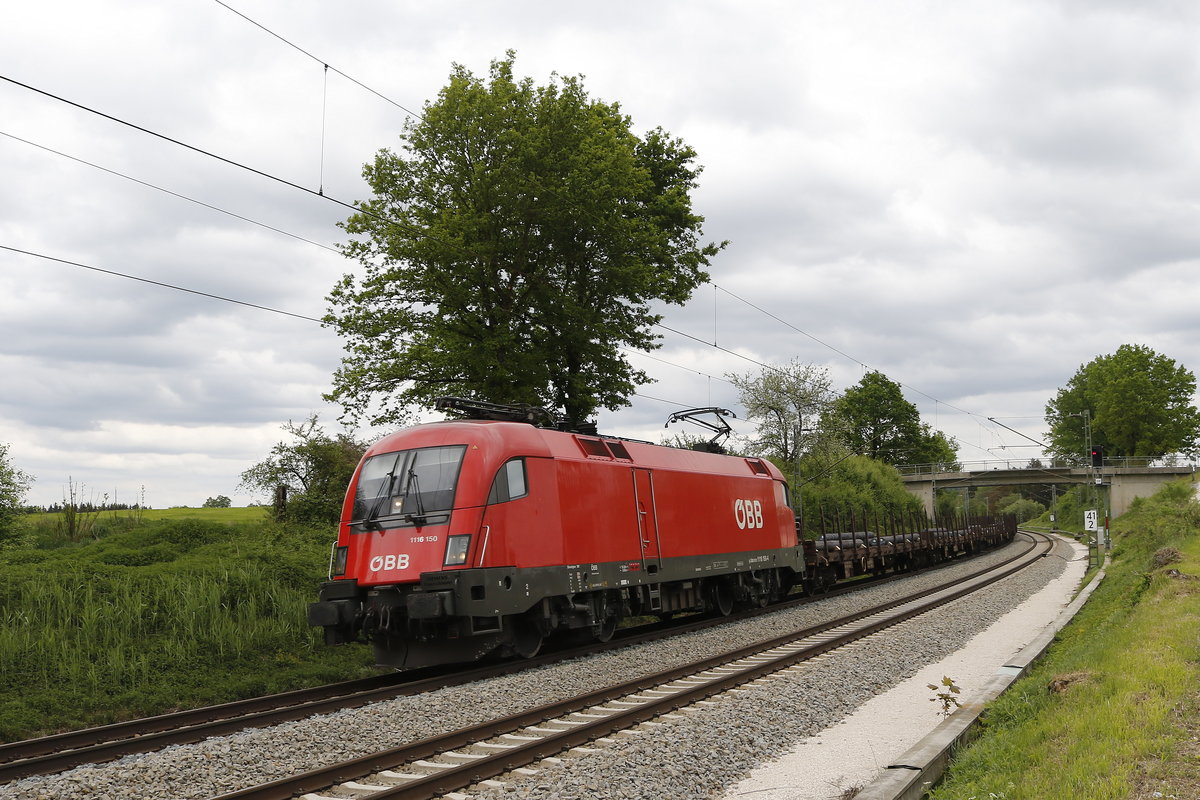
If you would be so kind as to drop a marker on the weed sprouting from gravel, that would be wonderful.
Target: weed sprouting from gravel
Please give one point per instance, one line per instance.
(945, 695)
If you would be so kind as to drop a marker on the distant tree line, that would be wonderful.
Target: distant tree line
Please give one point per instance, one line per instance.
(89, 507)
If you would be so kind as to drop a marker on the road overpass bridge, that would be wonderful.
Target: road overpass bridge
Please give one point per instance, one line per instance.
(1123, 479)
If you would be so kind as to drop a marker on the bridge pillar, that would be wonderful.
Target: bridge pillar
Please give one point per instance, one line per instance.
(924, 493)
(1127, 485)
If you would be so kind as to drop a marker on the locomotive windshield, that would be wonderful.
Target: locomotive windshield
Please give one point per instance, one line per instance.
(408, 483)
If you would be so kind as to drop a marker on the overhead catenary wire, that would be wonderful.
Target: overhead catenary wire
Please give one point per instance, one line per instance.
(175, 287)
(164, 190)
(321, 61)
(232, 162)
(324, 115)
(166, 138)
(842, 353)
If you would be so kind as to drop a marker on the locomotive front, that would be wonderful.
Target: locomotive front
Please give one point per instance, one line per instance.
(412, 515)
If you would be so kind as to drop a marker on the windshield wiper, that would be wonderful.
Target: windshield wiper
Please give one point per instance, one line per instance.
(369, 522)
(414, 485)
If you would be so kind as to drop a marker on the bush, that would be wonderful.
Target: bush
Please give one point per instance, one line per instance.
(856, 485)
(174, 613)
(1024, 510)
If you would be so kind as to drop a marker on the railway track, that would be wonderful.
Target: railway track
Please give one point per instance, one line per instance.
(59, 752)
(475, 756)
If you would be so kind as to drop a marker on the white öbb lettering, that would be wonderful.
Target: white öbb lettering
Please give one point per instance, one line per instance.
(390, 561)
(748, 514)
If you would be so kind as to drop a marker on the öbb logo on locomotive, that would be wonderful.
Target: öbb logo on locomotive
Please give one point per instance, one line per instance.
(389, 561)
(748, 514)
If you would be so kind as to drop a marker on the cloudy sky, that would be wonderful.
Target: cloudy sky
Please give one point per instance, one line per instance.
(973, 198)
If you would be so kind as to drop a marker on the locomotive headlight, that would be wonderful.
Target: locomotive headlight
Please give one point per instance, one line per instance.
(338, 567)
(456, 550)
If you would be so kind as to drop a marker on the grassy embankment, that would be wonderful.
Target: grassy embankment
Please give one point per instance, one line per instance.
(167, 610)
(1113, 711)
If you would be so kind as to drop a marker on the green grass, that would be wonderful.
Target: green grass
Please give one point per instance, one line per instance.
(228, 516)
(1105, 714)
(178, 611)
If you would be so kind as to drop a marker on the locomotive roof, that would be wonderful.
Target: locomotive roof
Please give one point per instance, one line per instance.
(510, 439)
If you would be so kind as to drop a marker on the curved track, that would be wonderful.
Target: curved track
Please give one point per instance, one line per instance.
(441, 765)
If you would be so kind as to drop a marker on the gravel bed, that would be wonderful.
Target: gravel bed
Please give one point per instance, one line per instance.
(692, 758)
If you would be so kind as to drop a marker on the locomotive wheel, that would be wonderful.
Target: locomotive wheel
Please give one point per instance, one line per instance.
(527, 639)
(608, 611)
(721, 597)
(606, 629)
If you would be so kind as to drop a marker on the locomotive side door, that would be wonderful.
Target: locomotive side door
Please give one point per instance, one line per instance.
(647, 518)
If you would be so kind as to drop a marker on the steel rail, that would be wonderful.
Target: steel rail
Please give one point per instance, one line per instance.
(27, 748)
(478, 769)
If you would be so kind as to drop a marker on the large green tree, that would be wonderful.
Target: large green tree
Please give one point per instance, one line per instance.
(881, 424)
(1139, 403)
(515, 244)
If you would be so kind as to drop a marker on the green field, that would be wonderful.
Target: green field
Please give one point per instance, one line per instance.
(228, 516)
(156, 611)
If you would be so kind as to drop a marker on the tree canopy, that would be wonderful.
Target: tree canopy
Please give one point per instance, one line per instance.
(853, 484)
(1139, 403)
(513, 247)
(788, 404)
(879, 423)
(315, 467)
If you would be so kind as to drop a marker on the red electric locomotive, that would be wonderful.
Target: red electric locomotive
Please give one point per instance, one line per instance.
(465, 537)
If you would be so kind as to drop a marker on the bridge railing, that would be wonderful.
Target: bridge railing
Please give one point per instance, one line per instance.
(1124, 462)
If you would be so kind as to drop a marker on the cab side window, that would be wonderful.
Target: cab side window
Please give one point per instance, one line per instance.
(510, 482)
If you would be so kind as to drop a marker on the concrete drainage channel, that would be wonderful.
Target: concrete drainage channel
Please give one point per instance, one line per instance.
(922, 766)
